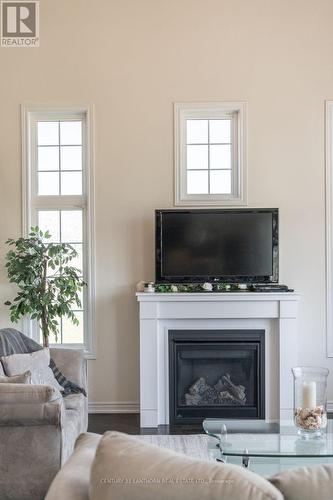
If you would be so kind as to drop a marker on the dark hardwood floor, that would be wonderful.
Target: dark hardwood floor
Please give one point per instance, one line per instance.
(130, 424)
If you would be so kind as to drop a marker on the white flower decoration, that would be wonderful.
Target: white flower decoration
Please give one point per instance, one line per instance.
(208, 287)
(174, 288)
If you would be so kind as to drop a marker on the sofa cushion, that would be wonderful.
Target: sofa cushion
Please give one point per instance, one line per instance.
(72, 482)
(126, 468)
(22, 378)
(36, 362)
(306, 483)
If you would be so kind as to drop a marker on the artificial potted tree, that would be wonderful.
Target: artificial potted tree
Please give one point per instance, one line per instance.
(48, 285)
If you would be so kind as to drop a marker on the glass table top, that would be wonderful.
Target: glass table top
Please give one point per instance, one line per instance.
(260, 438)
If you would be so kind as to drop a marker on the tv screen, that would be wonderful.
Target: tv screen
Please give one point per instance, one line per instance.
(217, 245)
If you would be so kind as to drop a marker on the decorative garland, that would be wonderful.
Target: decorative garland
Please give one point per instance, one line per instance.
(197, 287)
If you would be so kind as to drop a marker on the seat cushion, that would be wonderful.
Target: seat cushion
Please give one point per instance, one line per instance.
(306, 483)
(72, 482)
(126, 468)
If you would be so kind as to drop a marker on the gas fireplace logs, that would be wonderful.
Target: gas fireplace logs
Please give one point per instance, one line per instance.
(224, 392)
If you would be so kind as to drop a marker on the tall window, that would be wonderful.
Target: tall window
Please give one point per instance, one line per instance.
(210, 154)
(57, 194)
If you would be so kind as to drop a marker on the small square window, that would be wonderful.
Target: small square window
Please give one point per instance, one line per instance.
(210, 154)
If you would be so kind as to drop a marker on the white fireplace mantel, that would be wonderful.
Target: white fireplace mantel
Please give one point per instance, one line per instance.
(161, 312)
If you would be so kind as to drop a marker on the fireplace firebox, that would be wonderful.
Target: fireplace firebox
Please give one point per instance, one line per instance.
(216, 373)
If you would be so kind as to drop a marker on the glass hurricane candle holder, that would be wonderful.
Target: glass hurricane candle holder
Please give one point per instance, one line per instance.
(310, 400)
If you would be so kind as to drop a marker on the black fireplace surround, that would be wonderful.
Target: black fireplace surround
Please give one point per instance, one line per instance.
(216, 374)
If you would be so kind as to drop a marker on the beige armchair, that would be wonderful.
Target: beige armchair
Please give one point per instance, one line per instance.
(38, 431)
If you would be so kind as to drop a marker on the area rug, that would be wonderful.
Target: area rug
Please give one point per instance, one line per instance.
(196, 445)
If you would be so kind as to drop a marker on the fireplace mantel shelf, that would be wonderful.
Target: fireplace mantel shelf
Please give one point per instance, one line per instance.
(216, 296)
(160, 312)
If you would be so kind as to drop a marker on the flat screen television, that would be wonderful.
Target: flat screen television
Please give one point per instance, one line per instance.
(228, 245)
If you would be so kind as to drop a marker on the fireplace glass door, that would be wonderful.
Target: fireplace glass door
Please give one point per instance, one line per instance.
(216, 374)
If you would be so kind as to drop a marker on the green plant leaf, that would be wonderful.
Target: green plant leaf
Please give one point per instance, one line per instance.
(44, 298)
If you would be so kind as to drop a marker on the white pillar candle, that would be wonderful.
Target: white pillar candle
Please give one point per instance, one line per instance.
(309, 394)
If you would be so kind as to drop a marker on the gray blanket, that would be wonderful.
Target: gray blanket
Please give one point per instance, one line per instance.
(14, 342)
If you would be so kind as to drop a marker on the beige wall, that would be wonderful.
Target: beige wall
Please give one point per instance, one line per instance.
(132, 59)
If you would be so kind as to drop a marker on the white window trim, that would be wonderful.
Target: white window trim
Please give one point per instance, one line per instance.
(183, 111)
(27, 114)
(329, 227)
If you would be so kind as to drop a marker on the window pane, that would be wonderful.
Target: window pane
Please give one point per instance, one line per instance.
(48, 183)
(70, 133)
(71, 226)
(220, 181)
(71, 158)
(48, 158)
(71, 183)
(220, 131)
(72, 334)
(197, 131)
(50, 220)
(197, 182)
(197, 157)
(78, 261)
(47, 133)
(220, 156)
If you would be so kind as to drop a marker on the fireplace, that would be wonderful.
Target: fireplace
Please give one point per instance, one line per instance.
(216, 374)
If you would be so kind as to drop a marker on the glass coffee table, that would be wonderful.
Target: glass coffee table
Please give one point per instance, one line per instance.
(267, 447)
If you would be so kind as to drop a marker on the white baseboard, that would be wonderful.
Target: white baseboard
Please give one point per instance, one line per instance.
(114, 407)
